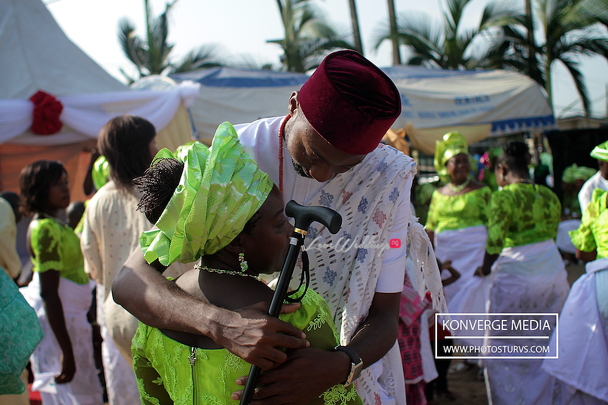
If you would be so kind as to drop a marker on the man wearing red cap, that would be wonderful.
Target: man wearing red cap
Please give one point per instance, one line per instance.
(324, 152)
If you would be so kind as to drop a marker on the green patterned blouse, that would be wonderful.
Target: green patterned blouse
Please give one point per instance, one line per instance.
(593, 232)
(521, 214)
(57, 247)
(449, 213)
(165, 375)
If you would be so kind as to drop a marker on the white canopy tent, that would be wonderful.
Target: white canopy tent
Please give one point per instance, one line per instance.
(36, 55)
(478, 104)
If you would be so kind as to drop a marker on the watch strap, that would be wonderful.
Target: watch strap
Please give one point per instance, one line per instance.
(354, 357)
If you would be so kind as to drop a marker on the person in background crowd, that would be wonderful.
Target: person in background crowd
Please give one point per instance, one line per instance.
(489, 177)
(423, 194)
(326, 151)
(10, 215)
(111, 230)
(599, 180)
(74, 212)
(98, 172)
(457, 220)
(21, 334)
(441, 343)
(60, 291)
(573, 179)
(527, 275)
(581, 368)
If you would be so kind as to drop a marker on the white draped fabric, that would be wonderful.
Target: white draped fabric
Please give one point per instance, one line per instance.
(465, 248)
(85, 388)
(529, 278)
(563, 241)
(582, 367)
(86, 114)
(121, 384)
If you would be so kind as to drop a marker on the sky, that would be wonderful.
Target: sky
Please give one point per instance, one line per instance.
(242, 27)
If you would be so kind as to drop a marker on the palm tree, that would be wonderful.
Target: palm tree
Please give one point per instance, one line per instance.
(355, 23)
(308, 36)
(447, 45)
(151, 54)
(570, 28)
(392, 19)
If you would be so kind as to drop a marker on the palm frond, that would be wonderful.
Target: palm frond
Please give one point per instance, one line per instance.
(131, 44)
(577, 77)
(206, 56)
(500, 13)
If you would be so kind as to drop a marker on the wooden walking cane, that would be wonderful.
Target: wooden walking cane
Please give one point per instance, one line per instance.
(303, 216)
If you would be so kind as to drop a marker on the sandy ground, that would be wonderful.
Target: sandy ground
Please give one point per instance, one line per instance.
(467, 387)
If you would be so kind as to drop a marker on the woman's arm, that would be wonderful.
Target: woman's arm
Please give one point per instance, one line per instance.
(586, 256)
(486, 267)
(49, 292)
(248, 333)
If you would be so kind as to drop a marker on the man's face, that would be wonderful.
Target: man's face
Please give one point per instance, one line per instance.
(603, 165)
(312, 156)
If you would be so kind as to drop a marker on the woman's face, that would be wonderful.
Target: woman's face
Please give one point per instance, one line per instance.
(153, 148)
(58, 196)
(459, 168)
(500, 175)
(265, 249)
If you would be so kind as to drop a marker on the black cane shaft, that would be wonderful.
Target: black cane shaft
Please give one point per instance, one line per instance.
(252, 381)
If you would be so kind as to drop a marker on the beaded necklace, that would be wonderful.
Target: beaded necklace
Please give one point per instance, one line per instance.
(459, 188)
(222, 271)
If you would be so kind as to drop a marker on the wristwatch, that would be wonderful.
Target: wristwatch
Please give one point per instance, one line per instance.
(356, 364)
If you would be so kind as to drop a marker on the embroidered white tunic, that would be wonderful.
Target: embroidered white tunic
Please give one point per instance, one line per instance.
(373, 199)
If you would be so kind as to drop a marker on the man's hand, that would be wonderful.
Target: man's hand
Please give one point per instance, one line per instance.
(256, 337)
(305, 375)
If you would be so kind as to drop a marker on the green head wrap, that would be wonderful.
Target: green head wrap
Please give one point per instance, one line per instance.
(219, 191)
(453, 144)
(100, 172)
(494, 152)
(600, 151)
(584, 173)
(568, 176)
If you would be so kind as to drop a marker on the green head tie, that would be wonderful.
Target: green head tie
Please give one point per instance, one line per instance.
(600, 152)
(453, 144)
(219, 191)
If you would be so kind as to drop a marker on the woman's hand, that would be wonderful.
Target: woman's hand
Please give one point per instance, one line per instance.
(68, 369)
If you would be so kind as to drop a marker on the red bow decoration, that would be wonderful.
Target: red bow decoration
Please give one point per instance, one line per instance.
(47, 110)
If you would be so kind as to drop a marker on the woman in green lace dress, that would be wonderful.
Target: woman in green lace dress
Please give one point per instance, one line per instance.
(216, 206)
(60, 291)
(527, 275)
(457, 221)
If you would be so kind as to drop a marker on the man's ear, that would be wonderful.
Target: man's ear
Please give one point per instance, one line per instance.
(294, 105)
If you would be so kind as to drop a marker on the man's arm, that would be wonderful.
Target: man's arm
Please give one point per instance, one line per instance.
(248, 333)
(310, 372)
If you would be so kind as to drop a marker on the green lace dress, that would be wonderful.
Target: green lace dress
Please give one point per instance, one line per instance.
(593, 232)
(522, 214)
(57, 247)
(449, 213)
(169, 372)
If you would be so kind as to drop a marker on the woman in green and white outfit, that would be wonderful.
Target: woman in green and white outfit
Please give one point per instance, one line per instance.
(527, 275)
(215, 205)
(457, 222)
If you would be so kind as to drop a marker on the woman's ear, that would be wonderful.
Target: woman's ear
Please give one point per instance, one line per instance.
(236, 245)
